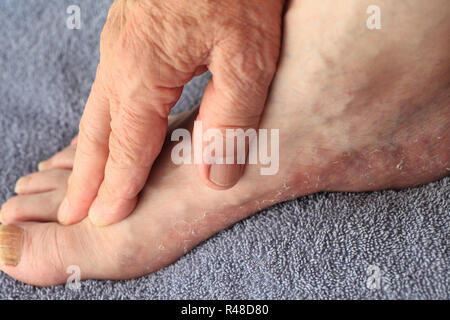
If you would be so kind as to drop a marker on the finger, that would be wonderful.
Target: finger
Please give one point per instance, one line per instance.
(138, 133)
(90, 158)
(42, 181)
(152, 76)
(234, 99)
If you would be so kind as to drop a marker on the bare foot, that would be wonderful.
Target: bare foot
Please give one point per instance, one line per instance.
(356, 109)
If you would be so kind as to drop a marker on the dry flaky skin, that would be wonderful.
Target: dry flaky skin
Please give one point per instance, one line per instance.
(11, 243)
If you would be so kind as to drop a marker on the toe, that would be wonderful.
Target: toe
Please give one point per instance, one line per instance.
(32, 207)
(62, 160)
(74, 141)
(45, 254)
(42, 181)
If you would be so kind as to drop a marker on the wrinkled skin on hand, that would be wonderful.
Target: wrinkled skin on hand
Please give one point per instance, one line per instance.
(148, 51)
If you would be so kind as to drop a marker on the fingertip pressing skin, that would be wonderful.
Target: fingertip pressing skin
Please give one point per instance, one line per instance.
(90, 158)
(108, 208)
(216, 176)
(241, 100)
(64, 215)
(102, 216)
(96, 216)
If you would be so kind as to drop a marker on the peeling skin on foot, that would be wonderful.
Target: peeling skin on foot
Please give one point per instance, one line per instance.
(281, 195)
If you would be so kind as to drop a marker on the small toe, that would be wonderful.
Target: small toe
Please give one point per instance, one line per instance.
(42, 181)
(32, 207)
(62, 160)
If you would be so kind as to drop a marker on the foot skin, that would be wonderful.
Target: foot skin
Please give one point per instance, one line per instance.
(350, 119)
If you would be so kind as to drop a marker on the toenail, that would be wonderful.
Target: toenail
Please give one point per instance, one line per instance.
(17, 186)
(42, 165)
(11, 243)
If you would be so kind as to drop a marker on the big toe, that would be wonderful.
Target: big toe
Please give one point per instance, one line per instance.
(45, 254)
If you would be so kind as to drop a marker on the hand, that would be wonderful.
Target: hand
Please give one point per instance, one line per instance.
(149, 50)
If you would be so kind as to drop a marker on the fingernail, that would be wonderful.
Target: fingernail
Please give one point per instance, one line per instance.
(17, 186)
(225, 175)
(42, 165)
(64, 211)
(11, 243)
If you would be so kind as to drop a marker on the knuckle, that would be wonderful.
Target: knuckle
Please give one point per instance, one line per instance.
(124, 152)
(116, 15)
(133, 119)
(131, 146)
(90, 134)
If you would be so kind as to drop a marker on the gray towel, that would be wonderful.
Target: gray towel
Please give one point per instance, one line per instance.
(328, 245)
